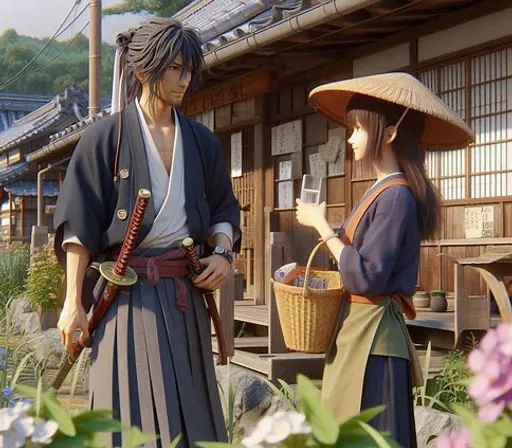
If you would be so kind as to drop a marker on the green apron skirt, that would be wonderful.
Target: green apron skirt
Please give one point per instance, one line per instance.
(363, 330)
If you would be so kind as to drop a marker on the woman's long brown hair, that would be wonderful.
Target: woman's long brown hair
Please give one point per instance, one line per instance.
(375, 116)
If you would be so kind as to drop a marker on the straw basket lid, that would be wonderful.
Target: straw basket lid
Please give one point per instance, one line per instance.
(444, 129)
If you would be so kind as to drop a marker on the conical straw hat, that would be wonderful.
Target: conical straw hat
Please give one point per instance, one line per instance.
(444, 129)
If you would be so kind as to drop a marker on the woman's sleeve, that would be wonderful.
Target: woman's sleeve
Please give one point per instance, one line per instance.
(366, 271)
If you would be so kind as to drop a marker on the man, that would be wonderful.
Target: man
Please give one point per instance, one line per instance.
(151, 356)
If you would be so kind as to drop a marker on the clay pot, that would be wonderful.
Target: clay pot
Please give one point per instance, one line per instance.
(421, 299)
(450, 299)
(438, 302)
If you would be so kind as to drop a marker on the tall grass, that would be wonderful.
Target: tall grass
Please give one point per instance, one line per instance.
(14, 266)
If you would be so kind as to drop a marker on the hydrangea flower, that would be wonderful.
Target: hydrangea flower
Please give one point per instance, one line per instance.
(491, 362)
(16, 427)
(460, 438)
(273, 429)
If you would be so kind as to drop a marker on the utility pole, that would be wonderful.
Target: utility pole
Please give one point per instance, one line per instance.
(94, 57)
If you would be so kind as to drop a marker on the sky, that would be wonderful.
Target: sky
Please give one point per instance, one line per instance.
(41, 18)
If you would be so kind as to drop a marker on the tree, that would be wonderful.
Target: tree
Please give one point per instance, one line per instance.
(162, 8)
(61, 64)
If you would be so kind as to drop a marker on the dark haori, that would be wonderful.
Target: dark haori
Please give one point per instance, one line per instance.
(371, 360)
(152, 360)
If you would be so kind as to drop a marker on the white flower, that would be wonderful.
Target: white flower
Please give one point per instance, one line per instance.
(11, 439)
(24, 426)
(272, 430)
(8, 415)
(44, 431)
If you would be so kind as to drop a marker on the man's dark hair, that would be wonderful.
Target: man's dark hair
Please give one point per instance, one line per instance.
(152, 47)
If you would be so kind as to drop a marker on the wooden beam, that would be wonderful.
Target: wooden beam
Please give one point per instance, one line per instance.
(260, 132)
(447, 21)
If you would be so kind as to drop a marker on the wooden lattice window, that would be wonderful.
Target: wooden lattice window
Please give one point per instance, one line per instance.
(479, 88)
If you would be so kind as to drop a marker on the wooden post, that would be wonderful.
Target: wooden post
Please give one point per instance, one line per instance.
(259, 215)
(94, 57)
(10, 218)
(275, 259)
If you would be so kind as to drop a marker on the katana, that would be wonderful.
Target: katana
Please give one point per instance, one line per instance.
(197, 268)
(118, 274)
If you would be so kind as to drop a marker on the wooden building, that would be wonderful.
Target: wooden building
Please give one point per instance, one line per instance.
(264, 60)
(18, 177)
(255, 100)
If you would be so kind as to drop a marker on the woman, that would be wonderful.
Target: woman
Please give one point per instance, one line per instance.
(372, 360)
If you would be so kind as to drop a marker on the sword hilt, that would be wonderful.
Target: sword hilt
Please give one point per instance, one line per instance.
(188, 244)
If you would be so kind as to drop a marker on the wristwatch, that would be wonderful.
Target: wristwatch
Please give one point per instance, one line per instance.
(226, 253)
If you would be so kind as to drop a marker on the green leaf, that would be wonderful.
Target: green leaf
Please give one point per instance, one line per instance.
(467, 417)
(57, 413)
(364, 416)
(63, 441)
(136, 437)
(323, 426)
(20, 368)
(96, 441)
(281, 394)
(504, 426)
(376, 436)
(96, 421)
(175, 442)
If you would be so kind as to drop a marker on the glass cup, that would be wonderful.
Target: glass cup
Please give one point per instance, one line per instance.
(311, 189)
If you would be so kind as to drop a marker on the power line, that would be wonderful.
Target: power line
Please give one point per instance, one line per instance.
(47, 64)
(18, 75)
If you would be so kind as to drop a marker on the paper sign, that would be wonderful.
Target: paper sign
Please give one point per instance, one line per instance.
(479, 222)
(285, 170)
(287, 138)
(318, 167)
(286, 194)
(330, 150)
(236, 155)
(208, 119)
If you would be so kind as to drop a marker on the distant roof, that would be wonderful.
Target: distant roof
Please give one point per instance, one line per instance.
(29, 188)
(22, 102)
(13, 172)
(62, 110)
(65, 137)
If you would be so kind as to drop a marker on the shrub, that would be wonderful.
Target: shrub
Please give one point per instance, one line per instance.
(44, 280)
(14, 265)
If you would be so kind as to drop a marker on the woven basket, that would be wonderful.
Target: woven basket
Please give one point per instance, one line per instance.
(308, 316)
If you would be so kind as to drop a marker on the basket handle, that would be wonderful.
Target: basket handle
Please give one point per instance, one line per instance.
(308, 266)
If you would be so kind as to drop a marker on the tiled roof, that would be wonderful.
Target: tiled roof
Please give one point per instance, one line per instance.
(63, 110)
(214, 17)
(12, 172)
(29, 188)
(69, 135)
(231, 29)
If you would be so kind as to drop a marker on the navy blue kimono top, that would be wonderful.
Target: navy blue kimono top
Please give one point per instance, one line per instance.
(384, 257)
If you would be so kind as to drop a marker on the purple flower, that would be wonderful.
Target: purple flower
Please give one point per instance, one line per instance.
(6, 392)
(459, 438)
(491, 363)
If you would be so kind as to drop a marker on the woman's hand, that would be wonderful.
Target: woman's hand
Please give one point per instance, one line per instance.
(310, 215)
(73, 317)
(215, 274)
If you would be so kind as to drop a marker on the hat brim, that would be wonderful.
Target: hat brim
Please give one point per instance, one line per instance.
(444, 129)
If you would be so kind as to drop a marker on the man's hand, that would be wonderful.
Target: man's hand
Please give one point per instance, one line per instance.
(215, 274)
(72, 318)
